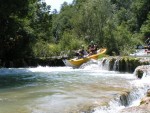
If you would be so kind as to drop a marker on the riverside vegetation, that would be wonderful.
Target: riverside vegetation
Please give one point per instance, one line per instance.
(31, 29)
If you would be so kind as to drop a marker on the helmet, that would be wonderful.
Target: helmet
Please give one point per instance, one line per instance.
(82, 46)
(92, 42)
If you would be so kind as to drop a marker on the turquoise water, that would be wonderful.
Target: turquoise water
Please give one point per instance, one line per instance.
(60, 89)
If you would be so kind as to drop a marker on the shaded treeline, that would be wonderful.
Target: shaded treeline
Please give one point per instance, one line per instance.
(31, 29)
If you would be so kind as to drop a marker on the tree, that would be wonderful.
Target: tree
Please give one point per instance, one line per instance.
(14, 35)
(91, 18)
(62, 21)
(41, 22)
(141, 9)
(145, 29)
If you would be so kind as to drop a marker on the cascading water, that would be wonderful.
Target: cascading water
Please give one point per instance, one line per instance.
(116, 65)
(104, 63)
(139, 90)
(89, 89)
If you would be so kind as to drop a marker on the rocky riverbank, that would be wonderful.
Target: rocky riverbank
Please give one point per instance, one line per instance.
(144, 106)
(124, 64)
(143, 70)
(117, 63)
(140, 67)
(31, 62)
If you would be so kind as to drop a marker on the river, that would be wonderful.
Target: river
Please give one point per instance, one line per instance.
(89, 89)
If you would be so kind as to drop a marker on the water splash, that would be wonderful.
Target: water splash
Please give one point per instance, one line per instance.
(139, 90)
(12, 71)
(92, 64)
(116, 65)
(104, 63)
(114, 106)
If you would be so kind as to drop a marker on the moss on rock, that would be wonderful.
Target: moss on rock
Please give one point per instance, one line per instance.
(139, 73)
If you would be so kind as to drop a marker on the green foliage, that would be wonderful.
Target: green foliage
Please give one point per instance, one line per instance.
(69, 42)
(15, 32)
(62, 22)
(14, 7)
(42, 22)
(44, 49)
(145, 29)
(141, 10)
(92, 18)
(102, 56)
(40, 49)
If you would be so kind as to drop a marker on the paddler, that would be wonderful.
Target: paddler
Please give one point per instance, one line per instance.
(92, 48)
(81, 52)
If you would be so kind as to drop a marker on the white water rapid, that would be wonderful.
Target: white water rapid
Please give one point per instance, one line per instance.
(89, 89)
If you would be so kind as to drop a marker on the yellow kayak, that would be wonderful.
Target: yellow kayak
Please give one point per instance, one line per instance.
(79, 62)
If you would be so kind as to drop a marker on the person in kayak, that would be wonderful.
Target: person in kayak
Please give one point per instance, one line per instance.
(81, 53)
(92, 48)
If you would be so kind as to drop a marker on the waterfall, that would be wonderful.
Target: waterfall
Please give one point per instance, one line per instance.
(127, 99)
(127, 67)
(116, 65)
(89, 64)
(124, 101)
(109, 64)
(104, 63)
(122, 64)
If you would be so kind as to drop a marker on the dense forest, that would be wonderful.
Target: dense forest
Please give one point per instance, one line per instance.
(30, 28)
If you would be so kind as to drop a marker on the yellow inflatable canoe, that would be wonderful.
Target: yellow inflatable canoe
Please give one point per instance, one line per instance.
(78, 62)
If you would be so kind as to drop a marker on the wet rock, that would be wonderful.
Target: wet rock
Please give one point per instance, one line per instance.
(111, 63)
(139, 73)
(145, 102)
(124, 64)
(32, 62)
(144, 106)
(135, 109)
(141, 70)
(148, 93)
(124, 98)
